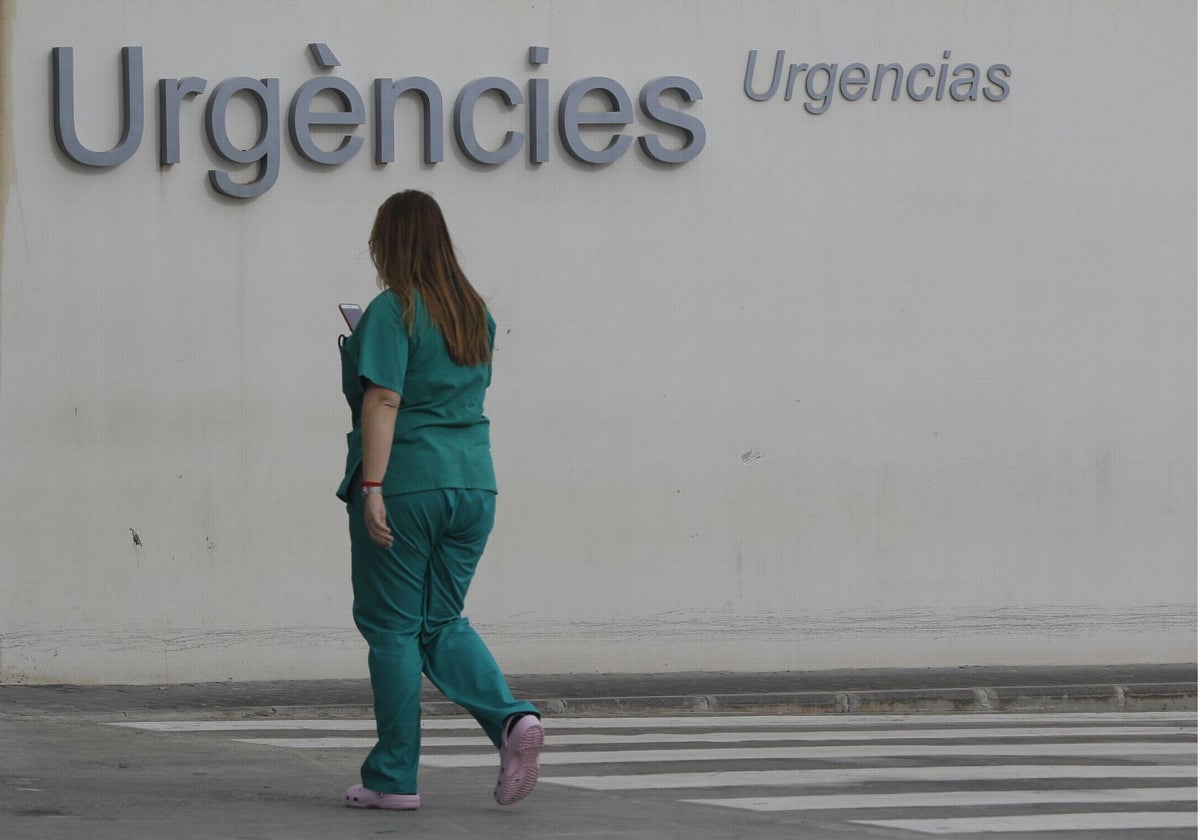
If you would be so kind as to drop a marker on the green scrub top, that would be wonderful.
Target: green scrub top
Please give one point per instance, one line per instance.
(441, 438)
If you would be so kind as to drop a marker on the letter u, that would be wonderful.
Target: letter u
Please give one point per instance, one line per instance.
(132, 109)
(749, 86)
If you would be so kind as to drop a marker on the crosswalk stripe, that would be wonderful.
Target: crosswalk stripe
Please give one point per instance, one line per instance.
(1109, 750)
(249, 725)
(478, 739)
(864, 735)
(952, 799)
(311, 743)
(1118, 820)
(712, 722)
(559, 739)
(859, 775)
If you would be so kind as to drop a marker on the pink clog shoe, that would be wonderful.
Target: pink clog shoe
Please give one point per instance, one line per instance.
(361, 797)
(519, 767)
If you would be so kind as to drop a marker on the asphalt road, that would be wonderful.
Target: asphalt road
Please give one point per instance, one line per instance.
(1059, 776)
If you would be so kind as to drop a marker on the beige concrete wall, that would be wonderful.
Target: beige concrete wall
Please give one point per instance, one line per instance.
(899, 384)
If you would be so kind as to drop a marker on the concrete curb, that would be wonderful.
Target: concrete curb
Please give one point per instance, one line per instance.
(1144, 697)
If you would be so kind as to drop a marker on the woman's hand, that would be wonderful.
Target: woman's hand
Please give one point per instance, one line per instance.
(375, 515)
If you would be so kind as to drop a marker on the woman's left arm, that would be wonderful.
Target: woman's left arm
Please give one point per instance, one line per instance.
(379, 409)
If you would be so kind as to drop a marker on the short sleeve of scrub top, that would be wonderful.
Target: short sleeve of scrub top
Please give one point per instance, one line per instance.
(382, 345)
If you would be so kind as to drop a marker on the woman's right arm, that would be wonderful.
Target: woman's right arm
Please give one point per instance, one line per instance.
(379, 409)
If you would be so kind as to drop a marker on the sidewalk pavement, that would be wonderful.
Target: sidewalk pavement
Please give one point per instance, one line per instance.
(1169, 687)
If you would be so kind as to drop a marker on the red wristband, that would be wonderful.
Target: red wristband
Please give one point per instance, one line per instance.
(371, 483)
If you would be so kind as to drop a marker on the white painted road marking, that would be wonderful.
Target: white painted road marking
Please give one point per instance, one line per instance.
(861, 775)
(550, 757)
(360, 725)
(951, 799)
(1111, 821)
(774, 736)
(698, 722)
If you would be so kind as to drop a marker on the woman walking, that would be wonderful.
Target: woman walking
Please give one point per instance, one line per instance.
(421, 494)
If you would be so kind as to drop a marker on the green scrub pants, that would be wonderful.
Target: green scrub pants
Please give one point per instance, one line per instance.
(408, 602)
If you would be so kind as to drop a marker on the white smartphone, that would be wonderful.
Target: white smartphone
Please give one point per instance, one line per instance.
(352, 312)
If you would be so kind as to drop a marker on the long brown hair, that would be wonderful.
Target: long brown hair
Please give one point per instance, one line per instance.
(411, 248)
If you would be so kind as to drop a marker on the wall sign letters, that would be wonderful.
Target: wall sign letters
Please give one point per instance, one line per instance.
(590, 136)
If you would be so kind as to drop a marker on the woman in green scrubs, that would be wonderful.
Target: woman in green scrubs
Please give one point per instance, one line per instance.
(421, 494)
